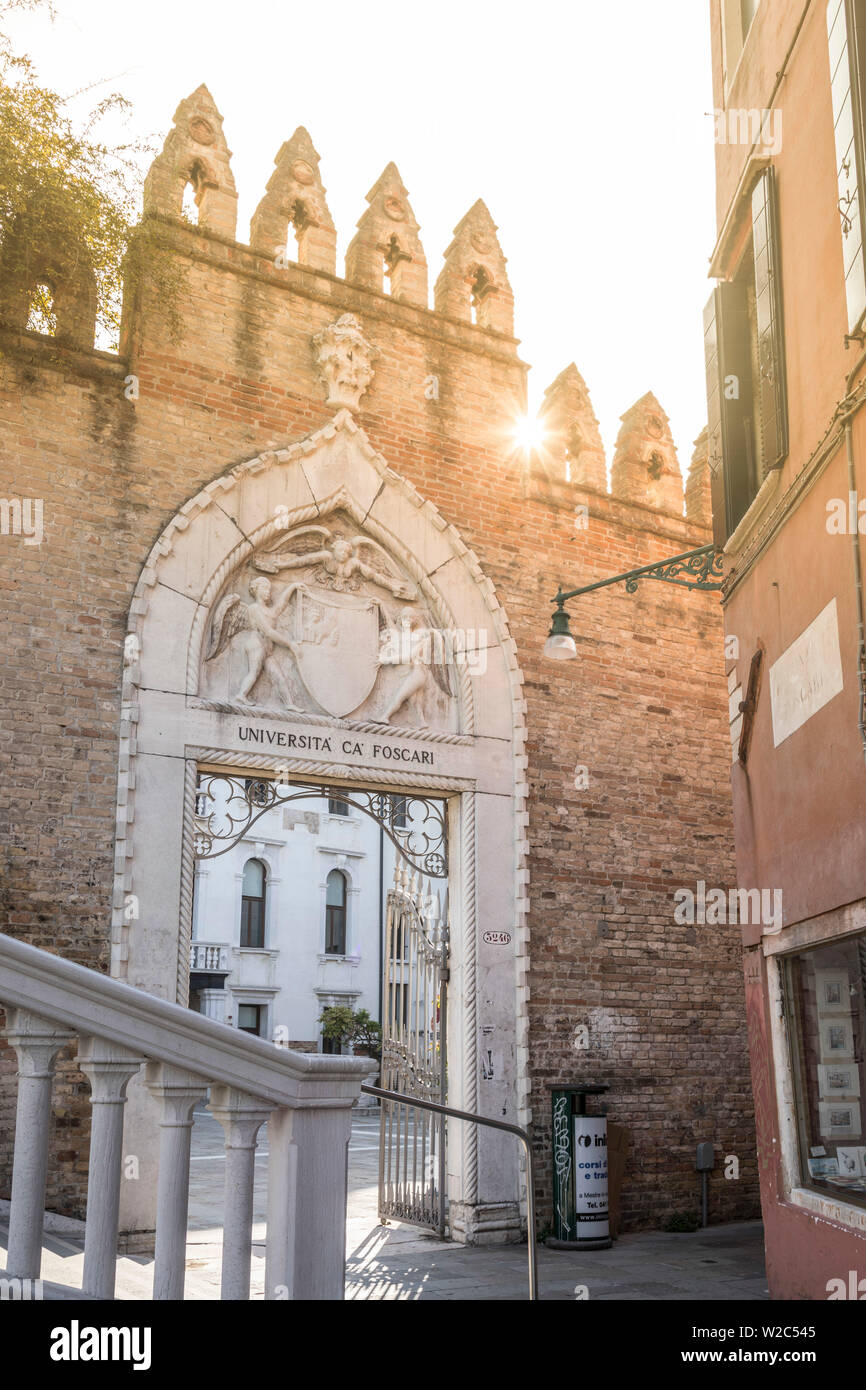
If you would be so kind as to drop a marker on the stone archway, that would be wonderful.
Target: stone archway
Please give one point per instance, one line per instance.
(332, 553)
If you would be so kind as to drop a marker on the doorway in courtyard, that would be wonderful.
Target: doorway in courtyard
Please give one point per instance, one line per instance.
(320, 922)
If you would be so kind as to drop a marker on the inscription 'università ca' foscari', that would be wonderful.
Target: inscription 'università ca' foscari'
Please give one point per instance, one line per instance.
(322, 743)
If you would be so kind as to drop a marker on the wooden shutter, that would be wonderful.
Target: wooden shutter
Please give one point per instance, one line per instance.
(729, 407)
(770, 388)
(846, 27)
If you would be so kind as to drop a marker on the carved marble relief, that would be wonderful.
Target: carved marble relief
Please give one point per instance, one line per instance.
(344, 358)
(323, 621)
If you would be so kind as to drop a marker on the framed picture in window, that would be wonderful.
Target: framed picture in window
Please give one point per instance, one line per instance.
(832, 992)
(836, 1039)
(850, 1162)
(839, 1119)
(839, 1081)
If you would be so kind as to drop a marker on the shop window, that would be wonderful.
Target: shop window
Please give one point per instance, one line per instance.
(253, 904)
(824, 991)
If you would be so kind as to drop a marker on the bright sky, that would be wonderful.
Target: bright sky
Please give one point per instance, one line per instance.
(584, 125)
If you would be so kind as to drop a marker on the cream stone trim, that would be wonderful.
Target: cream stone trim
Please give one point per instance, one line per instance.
(354, 726)
(740, 537)
(218, 493)
(369, 775)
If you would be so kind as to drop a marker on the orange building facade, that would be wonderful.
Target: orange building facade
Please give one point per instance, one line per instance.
(786, 376)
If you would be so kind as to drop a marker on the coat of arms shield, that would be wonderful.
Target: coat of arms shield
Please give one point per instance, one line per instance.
(337, 647)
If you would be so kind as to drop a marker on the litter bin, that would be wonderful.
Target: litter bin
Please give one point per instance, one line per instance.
(580, 1176)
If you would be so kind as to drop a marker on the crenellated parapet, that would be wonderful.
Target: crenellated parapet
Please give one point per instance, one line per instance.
(30, 259)
(196, 153)
(699, 506)
(572, 442)
(473, 285)
(645, 467)
(295, 197)
(387, 242)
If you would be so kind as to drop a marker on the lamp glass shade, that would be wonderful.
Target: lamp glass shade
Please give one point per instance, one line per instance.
(560, 647)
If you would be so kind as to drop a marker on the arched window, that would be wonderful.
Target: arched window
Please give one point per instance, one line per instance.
(335, 914)
(253, 904)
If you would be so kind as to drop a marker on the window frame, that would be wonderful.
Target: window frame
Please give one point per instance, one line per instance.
(334, 908)
(851, 190)
(795, 1052)
(261, 1017)
(746, 372)
(246, 900)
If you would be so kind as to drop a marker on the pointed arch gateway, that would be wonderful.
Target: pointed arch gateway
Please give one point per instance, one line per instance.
(310, 614)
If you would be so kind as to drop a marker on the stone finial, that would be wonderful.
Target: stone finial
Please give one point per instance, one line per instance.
(345, 360)
(296, 195)
(387, 238)
(573, 440)
(645, 467)
(195, 152)
(473, 278)
(699, 505)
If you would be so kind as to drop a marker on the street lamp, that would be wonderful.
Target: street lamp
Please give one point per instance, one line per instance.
(560, 645)
(692, 569)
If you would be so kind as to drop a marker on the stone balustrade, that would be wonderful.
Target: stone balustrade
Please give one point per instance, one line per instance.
(209, 956)
(306, 1098)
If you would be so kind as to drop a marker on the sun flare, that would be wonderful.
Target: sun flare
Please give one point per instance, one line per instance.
(528, 433)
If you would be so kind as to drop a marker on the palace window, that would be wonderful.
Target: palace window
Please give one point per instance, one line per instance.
(846, 26)
(337, 806)
(745, 361)
(824, 992)
(253, 904)
(251, 1018)
(335, 914)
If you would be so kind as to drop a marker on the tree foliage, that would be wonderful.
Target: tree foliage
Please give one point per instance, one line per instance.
(342, 1024)
(66, 193)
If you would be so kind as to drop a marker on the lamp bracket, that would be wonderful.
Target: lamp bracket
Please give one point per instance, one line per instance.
(693, 569)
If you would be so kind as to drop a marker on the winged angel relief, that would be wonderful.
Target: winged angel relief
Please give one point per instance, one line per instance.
(320, 642)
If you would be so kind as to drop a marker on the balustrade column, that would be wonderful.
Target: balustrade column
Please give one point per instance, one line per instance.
(241, 1116)
(109, 1068)
(178, 1091)
(36, 1041)
(307, 1179)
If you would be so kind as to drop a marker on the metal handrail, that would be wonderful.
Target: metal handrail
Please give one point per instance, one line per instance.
(474, 1119)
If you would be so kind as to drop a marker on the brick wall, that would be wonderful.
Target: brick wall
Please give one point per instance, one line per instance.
(644, 710)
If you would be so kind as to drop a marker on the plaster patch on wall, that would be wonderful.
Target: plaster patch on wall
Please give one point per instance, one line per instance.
(806, 676)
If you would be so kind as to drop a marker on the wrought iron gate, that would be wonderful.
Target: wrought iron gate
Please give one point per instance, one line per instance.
(412, 1143)
(415, 955)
